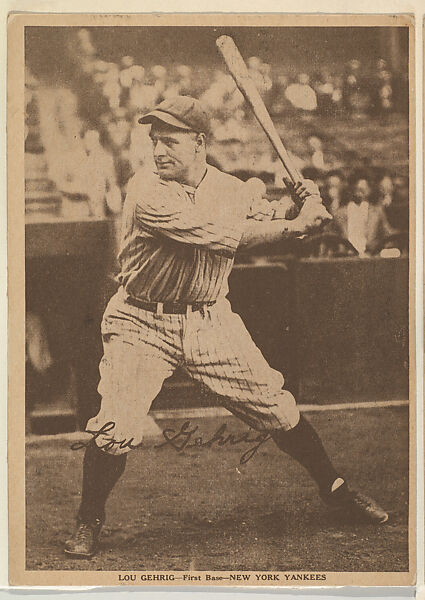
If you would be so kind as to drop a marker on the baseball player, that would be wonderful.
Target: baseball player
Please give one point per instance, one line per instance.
(181, 228)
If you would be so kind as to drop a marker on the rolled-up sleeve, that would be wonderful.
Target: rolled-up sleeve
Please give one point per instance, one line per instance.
(163, 208)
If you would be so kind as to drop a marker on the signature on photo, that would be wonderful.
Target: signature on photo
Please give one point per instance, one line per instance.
(187, 436)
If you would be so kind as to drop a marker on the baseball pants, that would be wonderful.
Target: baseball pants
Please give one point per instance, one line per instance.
(142, 349)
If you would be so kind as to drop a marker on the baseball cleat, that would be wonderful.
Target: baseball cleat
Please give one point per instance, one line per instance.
(366, 509)
(84, 542)
(354, 506)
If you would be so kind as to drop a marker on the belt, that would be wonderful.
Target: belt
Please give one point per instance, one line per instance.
(169, 308)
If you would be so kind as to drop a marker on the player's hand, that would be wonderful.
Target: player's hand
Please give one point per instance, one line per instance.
(307, 189)
(285, 208)
(260, 208)
(312, 215)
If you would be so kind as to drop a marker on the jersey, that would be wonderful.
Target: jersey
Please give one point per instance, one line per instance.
(178, 243)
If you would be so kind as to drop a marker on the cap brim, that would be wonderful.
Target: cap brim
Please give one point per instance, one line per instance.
(164, 117)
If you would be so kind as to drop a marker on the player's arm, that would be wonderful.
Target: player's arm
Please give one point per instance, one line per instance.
(162, 209)
(268, 232)
(311, 216)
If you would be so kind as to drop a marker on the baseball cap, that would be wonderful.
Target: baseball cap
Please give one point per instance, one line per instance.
(182, 112)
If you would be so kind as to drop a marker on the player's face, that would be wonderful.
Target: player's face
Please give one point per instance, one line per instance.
(174, 151)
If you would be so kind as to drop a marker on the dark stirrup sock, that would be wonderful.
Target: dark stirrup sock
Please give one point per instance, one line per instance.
(101, 471)
(303, 443)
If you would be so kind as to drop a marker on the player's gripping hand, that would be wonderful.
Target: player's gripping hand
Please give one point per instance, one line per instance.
(312, 215)
(307, 189)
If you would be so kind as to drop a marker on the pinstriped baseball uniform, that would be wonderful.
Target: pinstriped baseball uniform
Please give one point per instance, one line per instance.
(178, 245)
(206, 223)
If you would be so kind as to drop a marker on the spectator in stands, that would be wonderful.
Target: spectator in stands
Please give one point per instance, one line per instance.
(398, 211)
(333, 190)
(184, 85)
(126, 78)
(266, 85)
(100, 70)
(385, 189)
(362, 221)
(317, 156)
(140, 150)
(337, 99)
(355, 91)
(278, 100)
(100, 181)
(232, 128)
(385, 94)
(401, 189)
(81, 50)
(38, 364)
(234, 157)
(84, 38)
(254, 68)
(111, 86)
(301, 95)
(222, 97)
(325, 90)
(142, 94)
(31, 131)
(160, 75)
(119, 131)
(215, 94)
(382, 96)
(351, 85)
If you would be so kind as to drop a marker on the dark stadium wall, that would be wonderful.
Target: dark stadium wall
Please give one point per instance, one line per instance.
(352, 327)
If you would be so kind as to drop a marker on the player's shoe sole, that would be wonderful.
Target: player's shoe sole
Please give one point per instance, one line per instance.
(79, 554)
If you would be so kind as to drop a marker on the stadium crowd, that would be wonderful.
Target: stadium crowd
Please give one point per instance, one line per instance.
(92, 146)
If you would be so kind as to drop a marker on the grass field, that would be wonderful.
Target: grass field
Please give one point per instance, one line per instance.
(202, 510)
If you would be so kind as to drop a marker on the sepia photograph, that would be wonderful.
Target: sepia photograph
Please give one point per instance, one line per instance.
(211, 285)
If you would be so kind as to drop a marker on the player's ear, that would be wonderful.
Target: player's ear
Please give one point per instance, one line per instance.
(200, 141)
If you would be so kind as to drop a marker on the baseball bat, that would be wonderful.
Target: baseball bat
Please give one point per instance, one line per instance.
(239, 71)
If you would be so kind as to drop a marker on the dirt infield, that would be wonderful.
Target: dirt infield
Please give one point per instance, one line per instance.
(201, 510)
